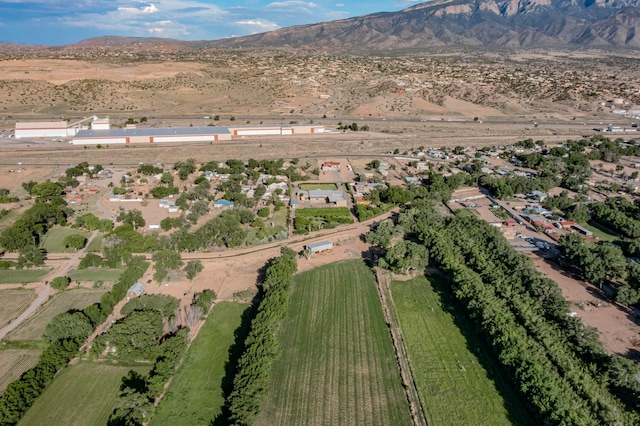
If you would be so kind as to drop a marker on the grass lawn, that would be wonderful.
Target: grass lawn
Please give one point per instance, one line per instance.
(83, 394)
(280, 218)
(337, 365)
(105, 275)
(95, 245)
(13, 303)
(599, 232)
(33, 328)
(458, 380)
(312, 186)
(13, 215)
(195, 396)
(53, 240)
(22, 276)
(466, 213)
(14, 362)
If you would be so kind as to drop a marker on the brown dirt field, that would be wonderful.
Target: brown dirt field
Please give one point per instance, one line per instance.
(13, 363)
(618, 329)
(62, 71)
(227, 276)
(232, 271)
(468, 109)
(12, 177)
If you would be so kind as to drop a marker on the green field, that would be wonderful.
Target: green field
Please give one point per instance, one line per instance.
(466, 212)
(82, 394)
(323, 186)
(14, 362)
(337, 365)
(195, 395)
(13, 215)
(459, 383)
(315, 218)
(95, 245)
(22, 276)
(93, 275)
(599, 232)
(52, 241)
(33, 328)
(13, 303)
(279, 218)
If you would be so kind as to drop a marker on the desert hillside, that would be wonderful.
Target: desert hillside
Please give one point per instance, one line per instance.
(307, 87)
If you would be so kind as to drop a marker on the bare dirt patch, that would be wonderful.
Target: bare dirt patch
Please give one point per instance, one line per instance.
(618, 329)
(62, 71)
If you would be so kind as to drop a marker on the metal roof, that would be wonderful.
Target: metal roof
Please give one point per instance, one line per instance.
(137, 289)
(166, 131)
(41, 125)
(323, 193)
(319, 246)
(225, 203)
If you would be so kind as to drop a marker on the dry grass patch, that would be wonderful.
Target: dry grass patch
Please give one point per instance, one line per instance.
(13, 303)
(14, 362)
(33, 328)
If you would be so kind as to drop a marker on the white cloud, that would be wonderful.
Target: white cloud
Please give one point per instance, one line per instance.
(149, 8)
(293, 4)
(339, 4)
(258, 25)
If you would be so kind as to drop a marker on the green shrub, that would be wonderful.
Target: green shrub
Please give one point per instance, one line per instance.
(60, 283)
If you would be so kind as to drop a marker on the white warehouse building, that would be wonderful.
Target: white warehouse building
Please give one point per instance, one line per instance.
(43, 129)
(151, 135)
(185, 134)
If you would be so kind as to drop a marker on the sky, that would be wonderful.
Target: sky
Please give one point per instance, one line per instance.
(57, 22)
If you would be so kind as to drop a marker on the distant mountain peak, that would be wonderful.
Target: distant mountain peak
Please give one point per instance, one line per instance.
(513, 23)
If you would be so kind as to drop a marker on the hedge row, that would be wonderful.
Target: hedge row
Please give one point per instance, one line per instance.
(251, 382)
(557, 363)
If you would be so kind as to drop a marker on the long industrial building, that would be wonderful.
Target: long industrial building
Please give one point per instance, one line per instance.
(152, 135)
(185, 134)
(99, 131)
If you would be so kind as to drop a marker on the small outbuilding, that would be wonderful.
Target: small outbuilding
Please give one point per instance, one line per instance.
(319, 247)
(135, 290)
(582, 230)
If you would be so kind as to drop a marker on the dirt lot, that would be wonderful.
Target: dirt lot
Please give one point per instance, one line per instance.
(62, 71)
(231, 271)
(618, 328)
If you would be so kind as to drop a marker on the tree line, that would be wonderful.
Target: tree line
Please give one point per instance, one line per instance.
(610, 216)
(251, 382)
(558, 364)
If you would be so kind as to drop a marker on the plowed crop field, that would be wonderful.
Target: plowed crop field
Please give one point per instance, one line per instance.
(337, 365)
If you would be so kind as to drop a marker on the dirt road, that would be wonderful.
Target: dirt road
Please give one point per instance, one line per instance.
(43, 295)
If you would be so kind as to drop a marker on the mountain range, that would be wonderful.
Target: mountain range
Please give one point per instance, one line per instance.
(492, 23)
(442, 24)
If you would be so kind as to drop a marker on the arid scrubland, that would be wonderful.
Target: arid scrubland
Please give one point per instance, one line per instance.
(211, 82)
